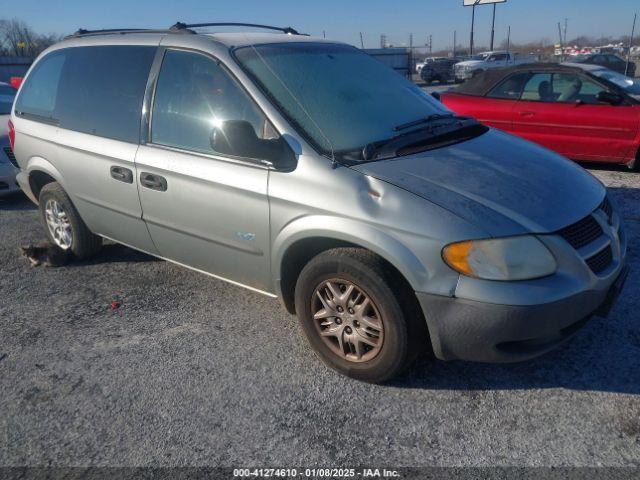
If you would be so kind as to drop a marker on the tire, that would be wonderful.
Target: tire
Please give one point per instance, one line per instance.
(403, 330)
(83, 244)
(636, 164)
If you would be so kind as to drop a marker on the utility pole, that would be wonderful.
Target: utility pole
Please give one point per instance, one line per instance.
(493, 26)
(566, 20)
(430, 44)
(411, 41)
(324, 35)
(633, 30)
(561, 42)
(508, 38)
(473, 21)
(361, 41)
(454, 44)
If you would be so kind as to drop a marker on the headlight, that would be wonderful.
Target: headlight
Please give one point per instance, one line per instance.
(511, 258)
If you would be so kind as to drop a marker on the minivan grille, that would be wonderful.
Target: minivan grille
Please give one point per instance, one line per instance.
(11, 156)
(582, 232)
(606, 207)
(601, 260)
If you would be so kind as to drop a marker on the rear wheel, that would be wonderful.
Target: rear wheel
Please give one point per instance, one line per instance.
(353, 317)
(63, 225)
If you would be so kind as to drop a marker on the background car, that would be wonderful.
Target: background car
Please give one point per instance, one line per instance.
(606, 60)
(570, 109)
(8, 171)
(486, 61)
(439, 70)
(630, 85)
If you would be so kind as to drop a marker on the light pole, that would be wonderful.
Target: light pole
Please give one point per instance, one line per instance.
(454, 44)
(493, 26)
(473, 21)
(633, 30)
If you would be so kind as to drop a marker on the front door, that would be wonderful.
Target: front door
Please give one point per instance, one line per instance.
(537, 117)
(203, 209)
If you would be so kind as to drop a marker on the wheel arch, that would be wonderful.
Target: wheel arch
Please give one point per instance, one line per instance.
(300, 241)
(41, 172)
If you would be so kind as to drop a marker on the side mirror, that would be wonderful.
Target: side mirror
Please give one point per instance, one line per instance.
(609, 97)
(238, 138)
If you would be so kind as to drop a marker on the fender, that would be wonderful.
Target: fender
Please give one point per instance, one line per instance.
(42, 165)
(352, 231)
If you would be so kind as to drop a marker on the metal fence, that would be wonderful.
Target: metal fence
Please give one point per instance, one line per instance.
(400, 59)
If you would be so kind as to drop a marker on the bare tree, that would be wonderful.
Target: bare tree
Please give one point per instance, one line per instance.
(18, 39)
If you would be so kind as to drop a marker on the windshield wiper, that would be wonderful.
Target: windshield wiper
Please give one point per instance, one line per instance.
(461, 129)
(420, 121)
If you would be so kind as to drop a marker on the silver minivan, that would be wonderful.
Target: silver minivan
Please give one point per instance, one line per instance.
(306, 170)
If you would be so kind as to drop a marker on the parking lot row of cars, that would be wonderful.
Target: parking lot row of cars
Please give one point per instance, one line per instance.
(459, 69)
(8, 171)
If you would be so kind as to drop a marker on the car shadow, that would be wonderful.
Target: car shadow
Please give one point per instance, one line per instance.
(114, 253)
(586, 363)
(604, 166)
(16, 202)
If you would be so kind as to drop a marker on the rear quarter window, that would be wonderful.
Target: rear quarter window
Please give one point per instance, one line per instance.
(38, 94)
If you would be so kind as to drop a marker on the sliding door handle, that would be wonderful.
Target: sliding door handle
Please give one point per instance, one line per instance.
(121, 174)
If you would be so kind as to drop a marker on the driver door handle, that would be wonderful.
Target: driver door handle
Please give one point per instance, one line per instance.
(153, 182)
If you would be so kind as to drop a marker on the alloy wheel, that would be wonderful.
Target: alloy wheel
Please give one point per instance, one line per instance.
(347, 320)
(59, 224)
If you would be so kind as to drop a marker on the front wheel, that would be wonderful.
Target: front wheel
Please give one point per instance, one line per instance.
(354, 318)
(63, 225)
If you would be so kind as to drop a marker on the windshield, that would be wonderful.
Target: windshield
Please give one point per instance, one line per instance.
(7, 95)
(339, 98)
(629, 85)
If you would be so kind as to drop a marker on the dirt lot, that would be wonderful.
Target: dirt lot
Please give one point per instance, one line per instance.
(193, 371)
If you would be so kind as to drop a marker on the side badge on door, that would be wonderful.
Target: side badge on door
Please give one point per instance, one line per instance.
(247, 236)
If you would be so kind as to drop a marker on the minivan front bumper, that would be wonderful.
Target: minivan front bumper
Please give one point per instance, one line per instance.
(483, 332)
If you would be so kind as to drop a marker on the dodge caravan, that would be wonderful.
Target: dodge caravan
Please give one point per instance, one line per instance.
(306, 170)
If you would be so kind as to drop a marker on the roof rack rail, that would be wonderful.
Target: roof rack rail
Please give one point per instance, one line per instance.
(81, 32)
(182, 26)
(179, 27)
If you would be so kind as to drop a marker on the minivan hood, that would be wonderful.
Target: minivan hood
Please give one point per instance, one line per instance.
(500, 183)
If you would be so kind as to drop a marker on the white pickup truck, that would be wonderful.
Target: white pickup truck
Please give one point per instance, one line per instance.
(485, 61)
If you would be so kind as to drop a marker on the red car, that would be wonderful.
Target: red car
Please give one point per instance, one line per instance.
(585, 113)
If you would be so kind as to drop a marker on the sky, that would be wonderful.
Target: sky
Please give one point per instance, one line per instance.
(343, 20)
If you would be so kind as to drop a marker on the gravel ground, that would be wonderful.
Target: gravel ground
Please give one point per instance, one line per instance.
(193, 371)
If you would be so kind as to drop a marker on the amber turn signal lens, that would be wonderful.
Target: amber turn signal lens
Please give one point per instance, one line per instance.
(457, 255)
